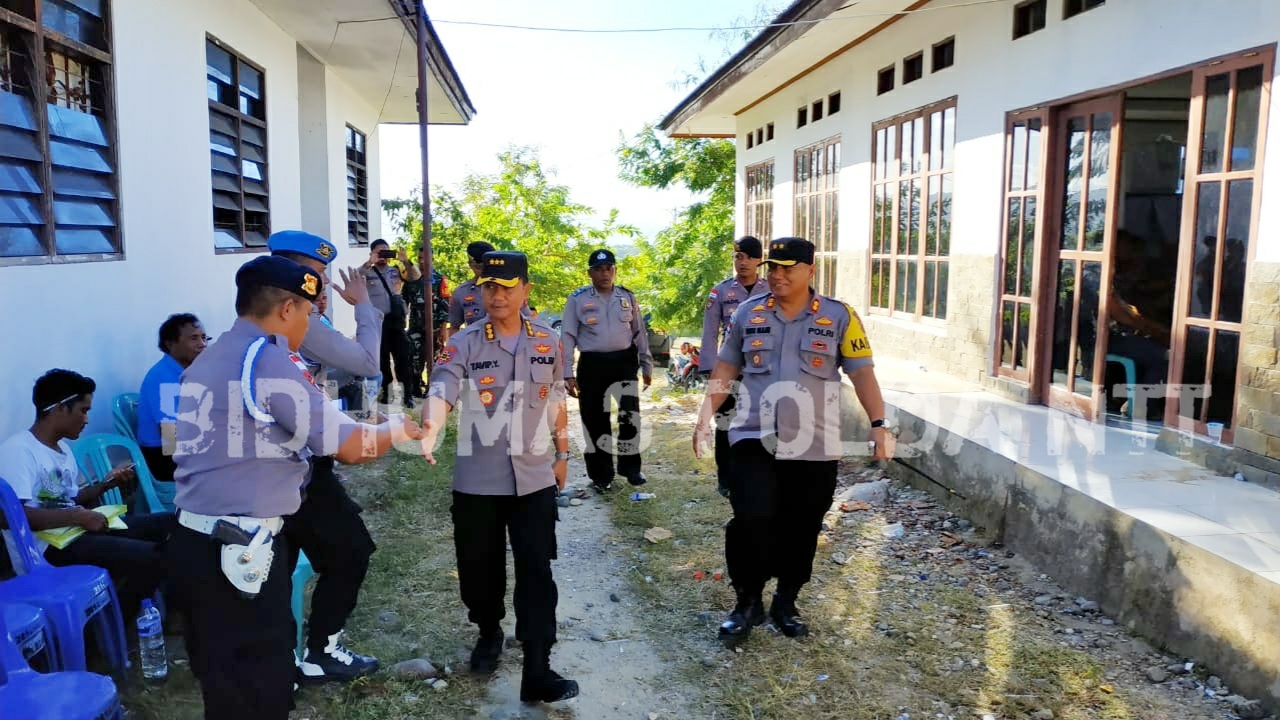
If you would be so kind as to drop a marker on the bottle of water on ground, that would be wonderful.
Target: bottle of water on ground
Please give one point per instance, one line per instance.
(155, 663)
(637, 496)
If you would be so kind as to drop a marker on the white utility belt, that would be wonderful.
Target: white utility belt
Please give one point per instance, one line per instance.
(204, 524)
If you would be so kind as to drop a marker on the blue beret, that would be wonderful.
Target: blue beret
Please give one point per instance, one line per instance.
(278, 272)
(302, 243)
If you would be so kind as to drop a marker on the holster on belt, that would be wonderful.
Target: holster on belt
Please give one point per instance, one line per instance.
(246, 558)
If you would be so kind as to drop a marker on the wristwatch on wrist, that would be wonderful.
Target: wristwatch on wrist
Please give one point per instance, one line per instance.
(883, 424)
(562, 456)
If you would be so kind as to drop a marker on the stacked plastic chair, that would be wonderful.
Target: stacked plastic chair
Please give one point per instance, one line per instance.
(72, 597)
(27, 694)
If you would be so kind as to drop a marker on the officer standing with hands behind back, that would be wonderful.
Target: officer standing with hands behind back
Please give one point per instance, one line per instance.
(248, 418)
(508, 373)
(789, 346)
(603, 322)
(466, 304)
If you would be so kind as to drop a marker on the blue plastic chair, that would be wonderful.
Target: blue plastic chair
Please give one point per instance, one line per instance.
(124, 410)
(27, 694)
(1130, 378)
(302, 572)
(71, 597)
(31, 632)
(93, 453)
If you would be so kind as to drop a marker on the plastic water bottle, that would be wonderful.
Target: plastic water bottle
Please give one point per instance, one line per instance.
(637, 496)
(155, 662)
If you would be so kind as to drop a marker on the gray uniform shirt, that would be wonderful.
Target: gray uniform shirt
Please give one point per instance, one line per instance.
(228, 463)
(598, 323)
(788, 364)
(333, 350)
(509, 399)
(377, 293)
(723, 300)
(466, 305)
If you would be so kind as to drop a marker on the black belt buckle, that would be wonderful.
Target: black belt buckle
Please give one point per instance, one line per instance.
(229, 534)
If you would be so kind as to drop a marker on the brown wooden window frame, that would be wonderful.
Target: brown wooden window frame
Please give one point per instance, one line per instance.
(62, 149)
(246, 129)
(816, 175)
(885, 79)
(888, 179)
(357, 147)
(1018, 285)
(943, 54)
(758, 192)
(912, 68)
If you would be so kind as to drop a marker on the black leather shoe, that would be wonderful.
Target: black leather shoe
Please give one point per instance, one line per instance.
(548, 689)
(637, 479)
(786, 617)
(484, 656)
(748, 613)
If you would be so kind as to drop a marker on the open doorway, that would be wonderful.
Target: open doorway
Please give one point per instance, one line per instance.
(1144, 255)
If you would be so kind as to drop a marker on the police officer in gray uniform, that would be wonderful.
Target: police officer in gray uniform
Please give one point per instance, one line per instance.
(328, 526)
(466, 304)
(507, 374)
(723, 300)
(603, 322)
(248, 417)
(789, 346)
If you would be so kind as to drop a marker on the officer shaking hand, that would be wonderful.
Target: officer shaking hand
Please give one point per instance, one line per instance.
(507, 373)
(788, 345)
(249, 417)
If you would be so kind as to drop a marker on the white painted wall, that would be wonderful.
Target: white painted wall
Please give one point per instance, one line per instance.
(101, 319)
(1116, 43)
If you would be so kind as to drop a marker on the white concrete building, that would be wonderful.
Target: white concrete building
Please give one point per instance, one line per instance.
(977, 175)
(148, 147)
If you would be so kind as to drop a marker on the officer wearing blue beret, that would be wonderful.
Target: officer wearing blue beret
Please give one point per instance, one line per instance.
(249, 416)
(328, 526)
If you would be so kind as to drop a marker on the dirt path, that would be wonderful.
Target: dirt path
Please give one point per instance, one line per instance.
(601, 644)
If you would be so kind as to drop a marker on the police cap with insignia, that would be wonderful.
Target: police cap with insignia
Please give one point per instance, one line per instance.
(749, 246)
(277, 272)
(789, 251)
(601, 257)
(302, 243)
(477, 250)
(506, 268)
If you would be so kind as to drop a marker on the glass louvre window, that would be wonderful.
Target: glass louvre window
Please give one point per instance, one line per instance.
(237, 150)
(357, 189)
(58, 183)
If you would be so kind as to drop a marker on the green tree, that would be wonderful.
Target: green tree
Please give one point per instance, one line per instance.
(519, 207)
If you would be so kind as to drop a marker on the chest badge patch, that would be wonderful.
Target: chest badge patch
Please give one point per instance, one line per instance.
(487, 380)
(589, 306)
(756, 361)
(542, 392)
(757, 343)
(819, 345)
(823, 321)
(626, 304)
(591, 320)
(486, 397)
(469, 298)
(757, 308)
(541, 334)
(542, 348)
(817, 362)
(758, 320)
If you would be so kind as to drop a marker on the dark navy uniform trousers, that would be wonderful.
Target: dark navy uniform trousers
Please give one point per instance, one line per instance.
(597, 372)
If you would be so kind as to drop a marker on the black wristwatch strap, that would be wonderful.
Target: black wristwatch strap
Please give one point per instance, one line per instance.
(877, 423)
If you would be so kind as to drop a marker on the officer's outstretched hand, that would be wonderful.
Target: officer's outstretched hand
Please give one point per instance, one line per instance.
(353, 288)
(571, 387)
(648, 380)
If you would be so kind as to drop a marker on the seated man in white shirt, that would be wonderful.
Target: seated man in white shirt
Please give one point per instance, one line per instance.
(39, 466)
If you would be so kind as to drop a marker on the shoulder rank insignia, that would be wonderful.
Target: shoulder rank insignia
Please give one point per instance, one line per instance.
(579, 291)
(813, 307)
(771, 302)
(488, 331)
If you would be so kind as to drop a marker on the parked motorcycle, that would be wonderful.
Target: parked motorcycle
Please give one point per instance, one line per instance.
(682, 370)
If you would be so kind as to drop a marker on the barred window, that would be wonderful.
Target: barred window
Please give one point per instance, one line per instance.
(357, 189)
(59, 187)
(911, 211)
(817, 184)
(760, 201)
(237, 150)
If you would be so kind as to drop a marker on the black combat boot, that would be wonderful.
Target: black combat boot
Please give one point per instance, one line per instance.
(484, 656)
(786, 617)
(538, 682)
(748, 613)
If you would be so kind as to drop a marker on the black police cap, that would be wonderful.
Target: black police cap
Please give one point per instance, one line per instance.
(275, 271)
(749, 246)
(476, 250)
(600, 257)
(789, 251)
(505, 268)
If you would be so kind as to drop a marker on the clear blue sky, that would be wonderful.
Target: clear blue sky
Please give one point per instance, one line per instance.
(571, 95)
